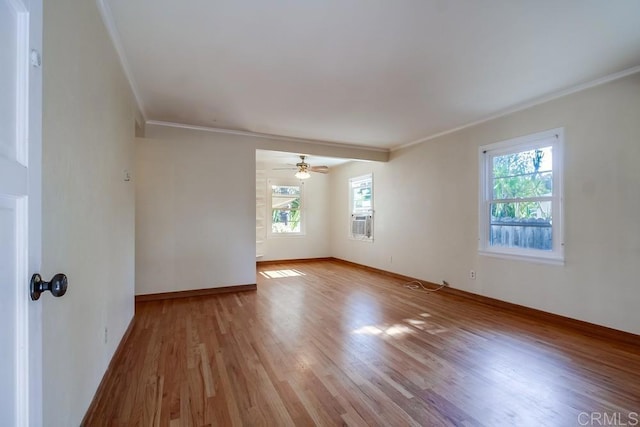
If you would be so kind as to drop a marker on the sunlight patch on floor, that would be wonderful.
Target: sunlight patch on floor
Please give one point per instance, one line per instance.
(428, 327)
(368, 330)
(276, 274)
(394, 330)
(397, 330)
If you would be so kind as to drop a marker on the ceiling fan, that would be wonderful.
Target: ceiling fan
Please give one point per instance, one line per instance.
(303, 168)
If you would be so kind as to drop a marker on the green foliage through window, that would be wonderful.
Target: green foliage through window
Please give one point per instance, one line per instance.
(361, 194)
(521, 176)
(285, 209)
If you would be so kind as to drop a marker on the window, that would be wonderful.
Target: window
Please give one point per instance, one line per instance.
(361, 207)
(521, 199)
(286, 209)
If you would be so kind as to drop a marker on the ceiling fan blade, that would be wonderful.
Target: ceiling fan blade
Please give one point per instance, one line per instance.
(303, 166)
(319, 169)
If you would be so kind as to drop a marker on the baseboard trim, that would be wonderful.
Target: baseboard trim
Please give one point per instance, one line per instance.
(383, 272)
(292, 261)
(585, 328)
(106, 378)
(195, 293)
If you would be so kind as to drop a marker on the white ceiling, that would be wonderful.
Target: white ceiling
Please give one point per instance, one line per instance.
(368, 72)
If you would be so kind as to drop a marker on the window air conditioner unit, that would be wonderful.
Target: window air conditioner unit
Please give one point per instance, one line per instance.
(361, 225)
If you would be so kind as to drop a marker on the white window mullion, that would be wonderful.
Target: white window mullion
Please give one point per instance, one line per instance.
(524, 200)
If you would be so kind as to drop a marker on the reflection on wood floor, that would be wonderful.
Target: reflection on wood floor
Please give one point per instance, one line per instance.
(326, 343)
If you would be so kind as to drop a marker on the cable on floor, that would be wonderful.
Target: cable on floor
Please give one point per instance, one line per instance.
(415, 285)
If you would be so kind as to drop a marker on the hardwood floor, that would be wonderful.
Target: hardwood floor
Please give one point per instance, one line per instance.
(328, 344)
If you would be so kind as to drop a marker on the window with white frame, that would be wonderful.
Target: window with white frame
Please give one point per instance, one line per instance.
(521, 197)
(361, 207)
(286, 208)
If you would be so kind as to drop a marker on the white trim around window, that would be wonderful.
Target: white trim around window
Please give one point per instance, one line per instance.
(361, 208)
(289, 204)
(515, 235)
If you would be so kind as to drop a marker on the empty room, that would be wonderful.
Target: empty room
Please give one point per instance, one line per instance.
(281, 213)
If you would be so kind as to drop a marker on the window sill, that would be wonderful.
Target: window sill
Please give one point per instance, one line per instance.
(366, 240)
(285, 235)
(549, 260)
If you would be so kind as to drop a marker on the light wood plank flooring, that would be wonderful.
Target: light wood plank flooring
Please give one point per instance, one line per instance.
(328, 344)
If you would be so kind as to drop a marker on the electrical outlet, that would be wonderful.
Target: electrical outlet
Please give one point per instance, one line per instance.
(106, 336)
(391, 259)
(472, 274)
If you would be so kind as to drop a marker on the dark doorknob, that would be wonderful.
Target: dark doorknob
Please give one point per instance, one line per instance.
(57, 285)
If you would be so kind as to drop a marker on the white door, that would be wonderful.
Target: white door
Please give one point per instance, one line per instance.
(20, 153)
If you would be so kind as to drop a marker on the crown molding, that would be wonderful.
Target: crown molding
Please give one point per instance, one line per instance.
(107, 19)
(266, 136)
(537, 101)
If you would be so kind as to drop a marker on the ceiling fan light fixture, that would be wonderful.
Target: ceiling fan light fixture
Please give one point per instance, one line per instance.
(302, 174)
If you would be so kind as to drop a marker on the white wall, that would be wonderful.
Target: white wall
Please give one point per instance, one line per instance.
(195, 214)
(376, 253)
(315, 241)
(426, 204)
(88, 209)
